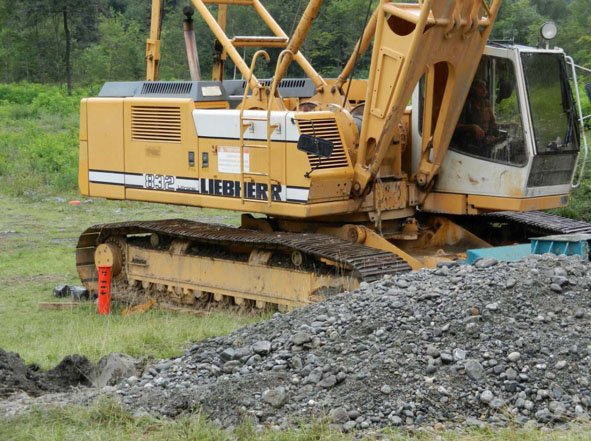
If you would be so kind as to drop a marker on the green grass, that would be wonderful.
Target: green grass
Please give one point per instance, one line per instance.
(107, 420)
(37, 241)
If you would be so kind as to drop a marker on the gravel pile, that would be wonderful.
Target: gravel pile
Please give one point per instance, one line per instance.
(494, 342)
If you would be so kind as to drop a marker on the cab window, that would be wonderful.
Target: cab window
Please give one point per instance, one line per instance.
(490, 125)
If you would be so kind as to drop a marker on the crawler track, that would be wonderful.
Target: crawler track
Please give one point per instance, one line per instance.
(507, 227)
(361, 262)
(544, 222)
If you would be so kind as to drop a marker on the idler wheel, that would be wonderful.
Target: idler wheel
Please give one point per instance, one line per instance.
(108, 254)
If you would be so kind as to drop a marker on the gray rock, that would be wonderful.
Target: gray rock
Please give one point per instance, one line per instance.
(228, 354)
(315, 376)
(113, 368)
(242, 353)
(474, 369)
(338, 415)
(262, 347)
(486, 262)
(492, 306)
(354, 414)
(459, 354)
(301, 338)
(431, 369)
(496, 403)
(486, 396)
(543, 415)
(446, 357)
(385, 389)
(231, 366)
(432, 351)
(401, 283)
(513, 356)
(511, 374)
(328, 381)
(253, 360)
(395, 420)
(348, 426)
(275, 397)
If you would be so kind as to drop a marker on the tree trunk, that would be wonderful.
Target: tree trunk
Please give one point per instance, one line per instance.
(68, 67)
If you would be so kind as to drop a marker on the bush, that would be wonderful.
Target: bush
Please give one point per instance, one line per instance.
(22, 93)
(54, 102)
(38, 138)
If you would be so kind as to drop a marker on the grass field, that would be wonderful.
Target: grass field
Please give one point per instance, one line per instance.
(37, 241)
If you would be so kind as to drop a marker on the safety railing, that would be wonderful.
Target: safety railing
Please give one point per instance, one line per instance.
(569, 60)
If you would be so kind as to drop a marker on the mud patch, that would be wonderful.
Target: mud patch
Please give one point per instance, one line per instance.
(16, 376)
(74, 370)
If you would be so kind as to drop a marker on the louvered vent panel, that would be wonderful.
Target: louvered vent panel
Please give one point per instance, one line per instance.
(166, 88)
(326, 129)
(282, 84)
(156, 124)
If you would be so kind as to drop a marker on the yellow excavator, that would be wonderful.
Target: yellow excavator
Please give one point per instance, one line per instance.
(340, 180)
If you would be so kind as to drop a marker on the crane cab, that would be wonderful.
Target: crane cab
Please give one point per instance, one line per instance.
(516, 144)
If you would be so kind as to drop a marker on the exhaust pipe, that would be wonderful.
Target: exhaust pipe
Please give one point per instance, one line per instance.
(191, 44)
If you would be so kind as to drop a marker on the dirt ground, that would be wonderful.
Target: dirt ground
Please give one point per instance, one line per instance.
(16, 376)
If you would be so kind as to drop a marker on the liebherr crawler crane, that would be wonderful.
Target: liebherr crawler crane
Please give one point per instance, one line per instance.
(351, 186)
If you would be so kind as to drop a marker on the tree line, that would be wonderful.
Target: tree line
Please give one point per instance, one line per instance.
(86, 42)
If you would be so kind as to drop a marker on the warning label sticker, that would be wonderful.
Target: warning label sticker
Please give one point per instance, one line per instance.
(229, 160)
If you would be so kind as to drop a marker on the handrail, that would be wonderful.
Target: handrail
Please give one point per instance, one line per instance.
(276, 79)
(242, 125)
(570, 60)
(251, 76)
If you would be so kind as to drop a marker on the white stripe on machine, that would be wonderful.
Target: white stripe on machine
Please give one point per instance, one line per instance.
(216, 187)
(101, 177)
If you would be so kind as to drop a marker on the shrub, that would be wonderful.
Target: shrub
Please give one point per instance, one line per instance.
(38, 138)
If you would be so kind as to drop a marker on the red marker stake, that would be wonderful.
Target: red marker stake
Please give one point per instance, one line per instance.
(104, 290)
